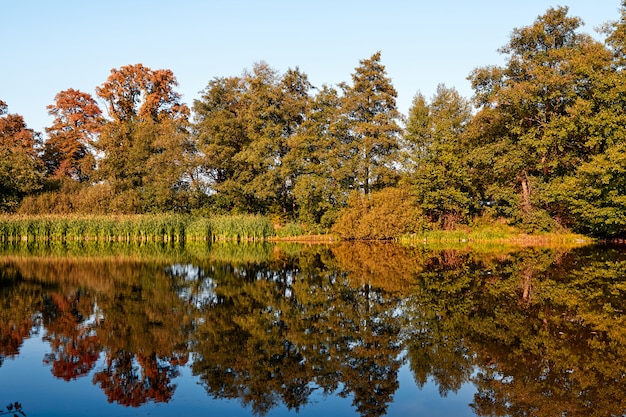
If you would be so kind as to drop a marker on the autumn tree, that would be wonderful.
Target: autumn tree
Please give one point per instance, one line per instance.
(369, 107)
(69, 149)
(148, 120)
(21, 170)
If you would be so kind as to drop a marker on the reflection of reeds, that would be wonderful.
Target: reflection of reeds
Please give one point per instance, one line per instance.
(147, 251)
(241, 253)
(163, 227)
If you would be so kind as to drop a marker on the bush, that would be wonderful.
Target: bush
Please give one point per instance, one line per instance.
(385, 214)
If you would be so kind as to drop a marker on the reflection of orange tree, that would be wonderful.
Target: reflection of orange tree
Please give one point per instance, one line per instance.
(141, 320)
(144, 331)
(19, 301)
(133, 383)
(75, 347)
(273, 330)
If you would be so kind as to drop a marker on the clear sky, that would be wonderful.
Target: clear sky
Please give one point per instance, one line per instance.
(49, 46)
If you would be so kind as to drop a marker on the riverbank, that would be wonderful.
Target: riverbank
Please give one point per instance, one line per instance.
(174, 227)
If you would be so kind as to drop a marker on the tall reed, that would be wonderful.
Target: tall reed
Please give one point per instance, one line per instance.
(158, 227)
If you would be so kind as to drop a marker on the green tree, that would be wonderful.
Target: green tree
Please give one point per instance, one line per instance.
(276, 108)
(245, 126)
(220, 131)
(315, 160)
(528, 132)
(595, 192)
(369, 107)
(437, 155)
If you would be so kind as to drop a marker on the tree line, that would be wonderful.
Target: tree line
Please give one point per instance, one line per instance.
(541, 144)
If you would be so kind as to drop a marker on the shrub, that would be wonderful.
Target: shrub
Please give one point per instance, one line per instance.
(386, 214)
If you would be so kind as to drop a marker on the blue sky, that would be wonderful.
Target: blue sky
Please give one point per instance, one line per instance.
(50, 46)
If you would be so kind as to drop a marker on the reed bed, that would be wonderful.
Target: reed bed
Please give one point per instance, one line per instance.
(158, 228)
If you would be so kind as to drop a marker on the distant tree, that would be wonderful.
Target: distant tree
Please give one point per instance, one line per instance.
(369, 106)
(68, 151)
(21, 170)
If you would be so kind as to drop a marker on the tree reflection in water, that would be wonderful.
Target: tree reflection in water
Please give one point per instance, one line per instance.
(537, 331)
(277, 330)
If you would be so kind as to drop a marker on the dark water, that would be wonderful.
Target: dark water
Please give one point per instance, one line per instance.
(341, 330)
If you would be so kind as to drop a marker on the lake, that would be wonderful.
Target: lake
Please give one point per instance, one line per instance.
(348, 329)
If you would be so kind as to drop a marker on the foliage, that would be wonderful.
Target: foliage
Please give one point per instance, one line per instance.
(538, 115)
(535, 331)
(21, 170)
(68, 151)
(369, 109)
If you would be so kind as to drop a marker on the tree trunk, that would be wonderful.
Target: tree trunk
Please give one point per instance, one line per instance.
(526, 190)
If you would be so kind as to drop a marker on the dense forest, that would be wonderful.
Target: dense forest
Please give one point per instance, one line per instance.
(541, 145)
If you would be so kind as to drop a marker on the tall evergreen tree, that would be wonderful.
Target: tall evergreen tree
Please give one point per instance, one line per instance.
(369, 107)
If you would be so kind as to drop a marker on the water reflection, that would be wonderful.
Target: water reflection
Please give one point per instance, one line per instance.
(536, 331)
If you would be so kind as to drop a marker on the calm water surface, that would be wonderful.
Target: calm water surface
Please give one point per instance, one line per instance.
(341, 330)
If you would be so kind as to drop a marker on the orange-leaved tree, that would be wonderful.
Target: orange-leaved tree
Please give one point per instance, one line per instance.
(68, 151)
(20, 166)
